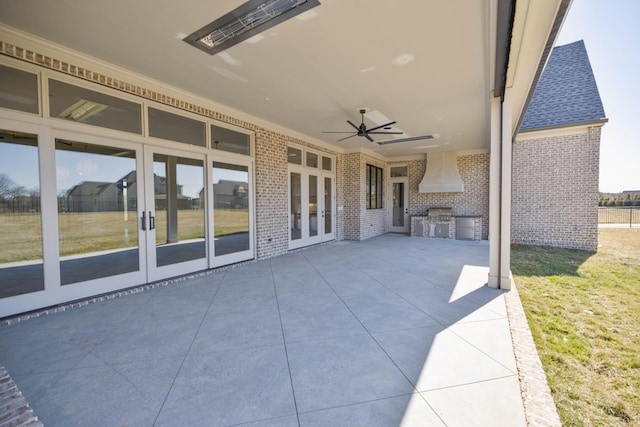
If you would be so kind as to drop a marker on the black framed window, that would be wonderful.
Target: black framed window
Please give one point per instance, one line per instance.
(374, 187)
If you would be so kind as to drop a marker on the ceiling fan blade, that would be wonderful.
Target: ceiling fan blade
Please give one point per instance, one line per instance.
(347, 137)
(381, 126)
(330, 131)
(366, 135)
(385, 133)
(413, 138)
(354, 126)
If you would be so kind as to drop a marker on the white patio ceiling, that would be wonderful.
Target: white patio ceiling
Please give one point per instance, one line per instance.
(425, 64)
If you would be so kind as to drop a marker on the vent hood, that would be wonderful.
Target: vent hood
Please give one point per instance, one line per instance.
(442, 174)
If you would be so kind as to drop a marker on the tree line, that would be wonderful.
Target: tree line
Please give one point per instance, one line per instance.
(628, 198)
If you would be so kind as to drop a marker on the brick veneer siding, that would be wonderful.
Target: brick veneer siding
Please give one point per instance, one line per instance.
(474, 172)
(340, 191)
(272, 189)
(555, 190)
(361, 223)
(353, 195)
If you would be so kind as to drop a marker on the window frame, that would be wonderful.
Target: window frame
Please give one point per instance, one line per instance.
(374, 187)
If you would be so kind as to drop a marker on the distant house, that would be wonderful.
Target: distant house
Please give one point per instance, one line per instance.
(88, 196)
(94, 196)
(231, 195)
(556, 156)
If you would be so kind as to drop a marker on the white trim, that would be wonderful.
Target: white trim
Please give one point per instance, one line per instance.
(505, 192)
(560, 131)
(494, 195)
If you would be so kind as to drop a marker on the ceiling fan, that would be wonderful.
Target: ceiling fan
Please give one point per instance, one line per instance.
(363, 131)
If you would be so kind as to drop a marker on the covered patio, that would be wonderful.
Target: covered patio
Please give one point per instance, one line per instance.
(384, 332)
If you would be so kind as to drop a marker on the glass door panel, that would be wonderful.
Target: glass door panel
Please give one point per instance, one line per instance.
(231, 204)
(313, 205)
(327, 212)
(21, 266)
(179, 221)
(97, 220)
(295, 189)
(398, 204)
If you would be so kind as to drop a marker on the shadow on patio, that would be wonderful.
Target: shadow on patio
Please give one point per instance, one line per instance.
(386, 332)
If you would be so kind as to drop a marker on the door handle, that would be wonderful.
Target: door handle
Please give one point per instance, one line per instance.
(152, 222)
(143, 220)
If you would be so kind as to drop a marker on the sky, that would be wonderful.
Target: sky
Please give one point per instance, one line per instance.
(611, 33)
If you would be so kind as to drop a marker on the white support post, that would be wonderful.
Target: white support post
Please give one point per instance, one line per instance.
(494, 195)
(505, 208)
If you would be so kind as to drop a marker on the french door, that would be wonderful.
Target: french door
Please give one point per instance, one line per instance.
(311, 207)
(83, 215)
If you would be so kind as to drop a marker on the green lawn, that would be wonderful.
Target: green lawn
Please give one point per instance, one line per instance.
(584, 313)
(21, 238)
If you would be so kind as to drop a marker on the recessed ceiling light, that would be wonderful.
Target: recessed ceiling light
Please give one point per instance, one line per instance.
(245, 21)
(403, 59)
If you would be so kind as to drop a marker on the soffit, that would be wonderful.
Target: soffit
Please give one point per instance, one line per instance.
(305, 75)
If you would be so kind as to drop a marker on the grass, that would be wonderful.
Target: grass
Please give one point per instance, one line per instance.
(21, 238)
(584, 313)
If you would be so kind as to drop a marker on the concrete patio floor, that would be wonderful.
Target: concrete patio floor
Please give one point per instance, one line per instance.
(392, 331)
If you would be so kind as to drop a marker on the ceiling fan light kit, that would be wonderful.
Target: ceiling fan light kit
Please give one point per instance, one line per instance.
(361, 130)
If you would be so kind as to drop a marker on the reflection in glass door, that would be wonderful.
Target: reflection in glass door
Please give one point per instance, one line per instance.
(97, 211)
(231, 212)
(21, 266)
(179, 220)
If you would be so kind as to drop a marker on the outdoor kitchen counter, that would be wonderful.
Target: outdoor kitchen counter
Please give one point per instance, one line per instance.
(461, 227)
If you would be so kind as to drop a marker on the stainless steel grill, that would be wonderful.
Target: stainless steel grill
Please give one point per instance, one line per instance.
(439, 214)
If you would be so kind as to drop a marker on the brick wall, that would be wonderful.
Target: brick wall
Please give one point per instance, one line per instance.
(353, 195)
(474, 172)
(272, 192)
(555, 190)
(340, 185)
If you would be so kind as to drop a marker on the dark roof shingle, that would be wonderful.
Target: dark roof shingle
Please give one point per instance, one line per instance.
(566, 93)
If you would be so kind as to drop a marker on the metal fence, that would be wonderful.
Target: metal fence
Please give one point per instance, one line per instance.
(619, 217)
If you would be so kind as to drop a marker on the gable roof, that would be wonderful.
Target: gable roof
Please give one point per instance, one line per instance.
(567, 93)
